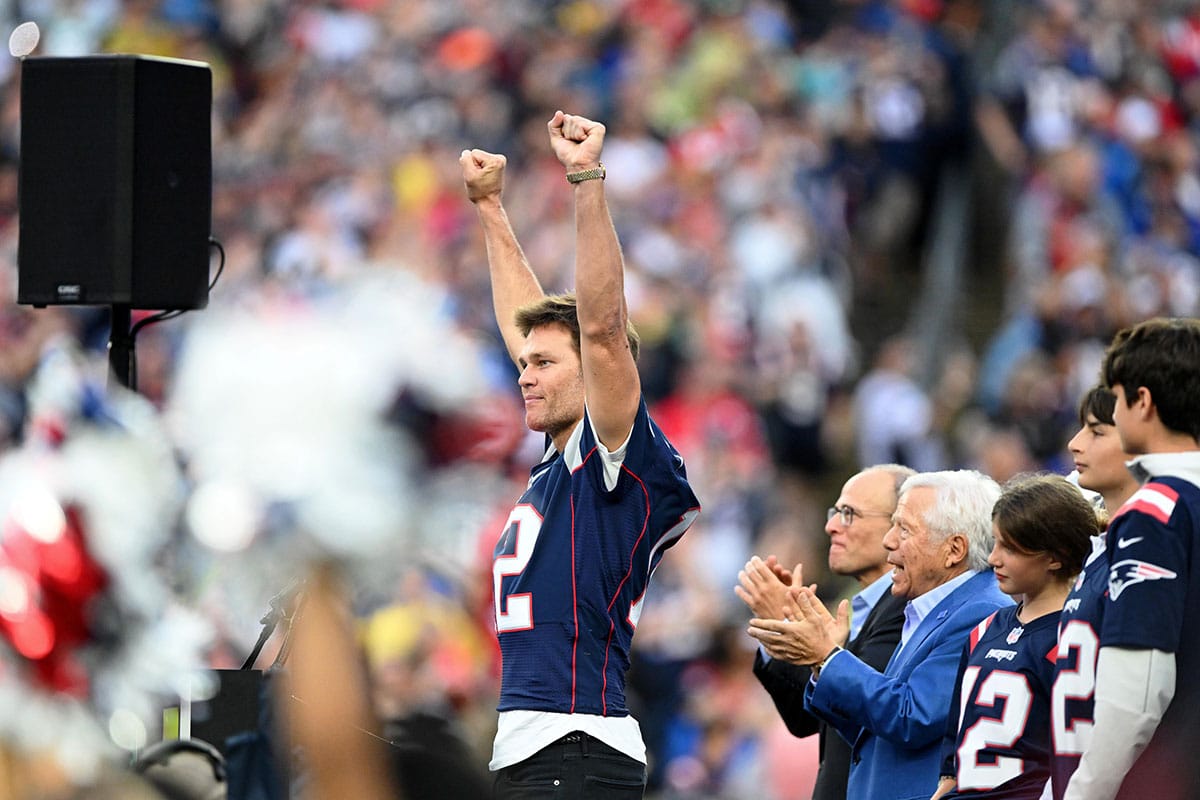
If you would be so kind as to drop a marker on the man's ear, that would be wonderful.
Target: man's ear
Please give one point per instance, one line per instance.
(957, 547)
(1143, 404)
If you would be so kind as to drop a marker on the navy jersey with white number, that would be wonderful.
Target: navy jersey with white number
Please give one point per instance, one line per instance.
(1143, 594)
(998, 738)
(573, 563)
(1072, 696)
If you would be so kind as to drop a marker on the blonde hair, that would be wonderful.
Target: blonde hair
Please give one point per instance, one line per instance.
(560, 309)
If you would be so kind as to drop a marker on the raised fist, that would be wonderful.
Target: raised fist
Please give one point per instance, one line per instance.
(483, 173)
(576, 141)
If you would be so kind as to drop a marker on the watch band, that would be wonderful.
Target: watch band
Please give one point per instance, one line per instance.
(837, 648)
(586, 175)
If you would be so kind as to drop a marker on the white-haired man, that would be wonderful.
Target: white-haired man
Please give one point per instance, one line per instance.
(938, 547)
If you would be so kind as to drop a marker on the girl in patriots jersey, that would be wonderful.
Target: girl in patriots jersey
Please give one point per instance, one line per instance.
(998, 735)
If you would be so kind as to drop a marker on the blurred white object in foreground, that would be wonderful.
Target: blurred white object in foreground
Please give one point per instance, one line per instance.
(92, 644)
(310, 426)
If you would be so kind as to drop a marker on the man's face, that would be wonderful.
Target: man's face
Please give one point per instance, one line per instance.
(551, 380)
(857, 549)
(1099, 459)
(920, 563)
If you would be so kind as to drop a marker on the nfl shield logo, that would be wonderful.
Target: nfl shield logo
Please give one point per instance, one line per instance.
(1079, 581)
(1014, 634)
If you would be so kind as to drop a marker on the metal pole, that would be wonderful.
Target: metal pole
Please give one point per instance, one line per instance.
(120, 348)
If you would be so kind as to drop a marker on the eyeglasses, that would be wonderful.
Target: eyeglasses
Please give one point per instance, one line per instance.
(848, 514)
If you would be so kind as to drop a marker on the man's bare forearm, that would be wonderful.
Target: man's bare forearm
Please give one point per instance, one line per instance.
(513, 281)
(599, 267)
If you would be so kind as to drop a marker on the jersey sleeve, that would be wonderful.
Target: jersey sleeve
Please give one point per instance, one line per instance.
(1147, 586)
(645, 451)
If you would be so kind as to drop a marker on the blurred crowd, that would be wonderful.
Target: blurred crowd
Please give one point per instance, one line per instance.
(776, 170)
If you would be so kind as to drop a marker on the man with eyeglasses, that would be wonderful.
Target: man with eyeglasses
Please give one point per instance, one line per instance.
(856, 525)
(895, 718)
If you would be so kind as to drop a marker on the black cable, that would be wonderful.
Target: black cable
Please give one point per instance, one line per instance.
(220, 265)
(165, 315)
(153, 318)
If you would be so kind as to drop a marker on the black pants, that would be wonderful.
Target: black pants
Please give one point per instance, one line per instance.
(576, 767)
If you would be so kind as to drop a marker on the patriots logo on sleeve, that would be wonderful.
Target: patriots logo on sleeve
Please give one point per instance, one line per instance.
(1130, 571)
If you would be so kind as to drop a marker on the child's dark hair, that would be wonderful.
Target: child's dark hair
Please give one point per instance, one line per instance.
(1162, 355)
(1045, 513)
(1099, 402)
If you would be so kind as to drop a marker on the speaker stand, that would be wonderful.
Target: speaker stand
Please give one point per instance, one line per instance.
(120, 347)
(285, 607)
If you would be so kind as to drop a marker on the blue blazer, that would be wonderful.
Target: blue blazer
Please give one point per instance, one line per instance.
(895, 721)
(785, 682)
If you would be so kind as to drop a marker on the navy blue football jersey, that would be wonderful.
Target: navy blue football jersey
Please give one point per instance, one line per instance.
(1072, 696)
(998, 738)
(1142, 594)
(573, 563)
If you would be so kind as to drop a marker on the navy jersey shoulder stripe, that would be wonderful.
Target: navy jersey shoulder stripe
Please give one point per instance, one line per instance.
(1154, 499)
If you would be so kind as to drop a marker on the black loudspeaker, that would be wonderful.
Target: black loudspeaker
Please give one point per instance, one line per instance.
(115, 186)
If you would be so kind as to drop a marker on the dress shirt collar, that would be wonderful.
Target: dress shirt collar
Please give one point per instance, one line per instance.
(862, 603)
(919, 608)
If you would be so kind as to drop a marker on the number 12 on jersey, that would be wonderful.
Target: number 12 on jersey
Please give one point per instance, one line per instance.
(1072, 735)
(514, 612)
(997, 734)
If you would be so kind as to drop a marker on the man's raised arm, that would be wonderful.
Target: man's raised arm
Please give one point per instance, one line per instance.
(611, 382)
(513, 281)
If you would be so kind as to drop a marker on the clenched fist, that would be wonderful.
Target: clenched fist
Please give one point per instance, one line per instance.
(576, 141)
(483, 173)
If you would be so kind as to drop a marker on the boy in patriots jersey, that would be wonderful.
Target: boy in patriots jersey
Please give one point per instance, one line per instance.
(1097, 454)
(1100, 467)
(998, 735)
(575, 557)
(1145, 630)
